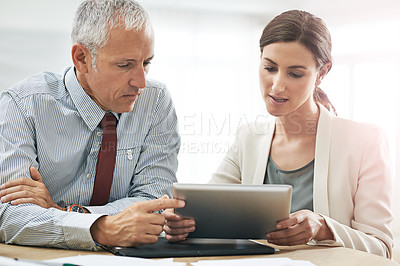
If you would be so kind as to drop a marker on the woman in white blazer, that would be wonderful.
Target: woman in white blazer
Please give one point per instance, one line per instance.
(344, 164)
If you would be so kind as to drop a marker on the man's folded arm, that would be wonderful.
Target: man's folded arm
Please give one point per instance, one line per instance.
(29, 224)
(32, 225)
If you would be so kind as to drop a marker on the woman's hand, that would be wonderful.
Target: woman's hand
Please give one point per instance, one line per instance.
(177, 228)
(301, 227)
(26, 190)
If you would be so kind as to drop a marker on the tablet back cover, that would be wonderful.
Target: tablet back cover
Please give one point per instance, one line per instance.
(194, 248)
(233, 211)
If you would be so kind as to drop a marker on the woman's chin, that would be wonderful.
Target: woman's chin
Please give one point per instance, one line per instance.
(274, 111)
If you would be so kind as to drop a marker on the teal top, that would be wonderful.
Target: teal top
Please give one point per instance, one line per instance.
(301, 181)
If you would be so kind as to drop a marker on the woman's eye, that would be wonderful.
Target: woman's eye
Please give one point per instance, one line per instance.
(295, 75)
(270, 69)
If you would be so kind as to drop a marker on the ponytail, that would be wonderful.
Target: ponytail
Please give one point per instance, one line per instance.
(321, 97)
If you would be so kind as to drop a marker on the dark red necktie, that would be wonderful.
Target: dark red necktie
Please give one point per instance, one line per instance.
(105, 161)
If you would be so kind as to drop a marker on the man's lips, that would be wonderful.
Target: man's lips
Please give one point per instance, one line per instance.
(135, 94)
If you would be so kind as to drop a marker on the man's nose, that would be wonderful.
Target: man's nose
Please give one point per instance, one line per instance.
(138, 78)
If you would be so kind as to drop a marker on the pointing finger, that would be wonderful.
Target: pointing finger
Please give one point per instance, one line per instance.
(162, 203)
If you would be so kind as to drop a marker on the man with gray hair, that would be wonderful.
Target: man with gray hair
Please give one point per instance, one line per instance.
(87, 156)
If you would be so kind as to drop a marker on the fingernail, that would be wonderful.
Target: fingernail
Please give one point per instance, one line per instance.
(268, 236)
(278, 226)
(3, 199)
(191, 223)
(2, 186)
(181, 203)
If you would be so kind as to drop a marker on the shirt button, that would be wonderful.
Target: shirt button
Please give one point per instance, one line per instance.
(129, 152)
(88, 176)
(130, 157)
(96, 143)
(99, 133)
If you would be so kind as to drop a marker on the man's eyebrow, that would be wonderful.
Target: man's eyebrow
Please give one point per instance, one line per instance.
(134, 60)
(150, 58)
(272, 62)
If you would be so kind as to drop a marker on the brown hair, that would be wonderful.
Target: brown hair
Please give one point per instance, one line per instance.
(308, 30)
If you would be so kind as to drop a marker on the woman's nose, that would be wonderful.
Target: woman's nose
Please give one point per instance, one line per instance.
(279, 84)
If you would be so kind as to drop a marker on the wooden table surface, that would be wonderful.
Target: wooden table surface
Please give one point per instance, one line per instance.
(316, 254)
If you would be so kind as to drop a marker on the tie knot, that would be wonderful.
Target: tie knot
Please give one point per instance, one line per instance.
(108, 120)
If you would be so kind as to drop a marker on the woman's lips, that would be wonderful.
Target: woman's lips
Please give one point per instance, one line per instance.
(277, 100)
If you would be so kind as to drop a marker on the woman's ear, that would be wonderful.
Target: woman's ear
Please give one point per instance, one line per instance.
(322, 72)
(81, 58)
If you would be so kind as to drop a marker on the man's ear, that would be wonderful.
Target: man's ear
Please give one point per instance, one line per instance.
(322, 72)
(81, 58)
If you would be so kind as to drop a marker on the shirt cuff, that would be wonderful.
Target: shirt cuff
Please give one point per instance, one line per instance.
(333, 243)
(76, 228)
(323, 243)
(113, 208)
(102, 210)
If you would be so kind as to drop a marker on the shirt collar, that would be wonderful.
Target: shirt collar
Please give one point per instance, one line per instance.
(91, 113)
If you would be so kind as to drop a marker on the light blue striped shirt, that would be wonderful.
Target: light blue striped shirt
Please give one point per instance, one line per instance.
(48, 121)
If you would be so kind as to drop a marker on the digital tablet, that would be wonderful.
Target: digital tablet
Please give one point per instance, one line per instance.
(233, 211)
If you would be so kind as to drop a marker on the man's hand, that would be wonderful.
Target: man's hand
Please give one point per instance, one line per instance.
(135, 225)
(26, 190)
(177, 228)
(301, 227)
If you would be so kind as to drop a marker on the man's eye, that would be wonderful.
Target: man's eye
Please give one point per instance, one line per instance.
(123, 66)
(146, 63)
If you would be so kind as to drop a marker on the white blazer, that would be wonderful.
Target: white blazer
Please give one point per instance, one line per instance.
(352, 178)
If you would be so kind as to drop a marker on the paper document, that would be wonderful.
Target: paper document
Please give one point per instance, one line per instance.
(105, 260)
(14, 262)
(254, 262)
